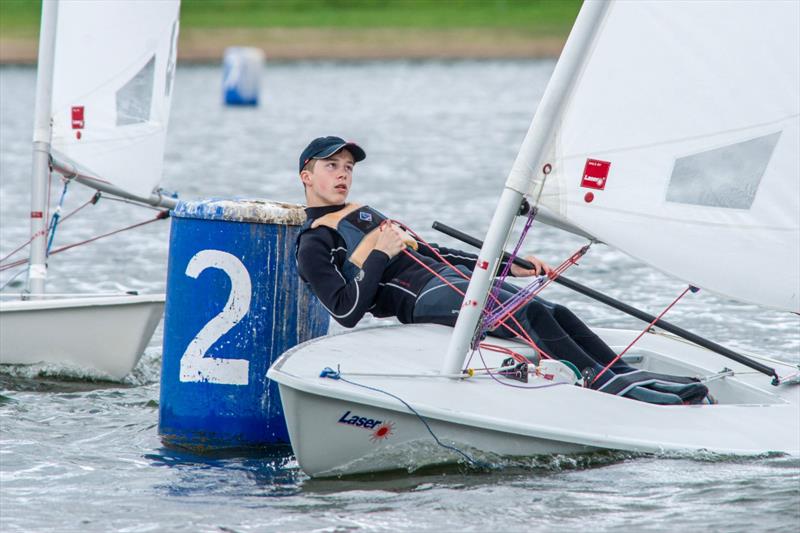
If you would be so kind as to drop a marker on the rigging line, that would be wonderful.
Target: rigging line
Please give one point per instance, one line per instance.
(521, 333)
(26, 243)
(645, 330)
(15, 263)
(55, 218)
(512, 385)
(337, 375)
(507, 269)
(518, 357)
(92, 200)
(132, 202)
(11, 279)
(630, 310)
(525, 295)
(161, 215)
(49, 192)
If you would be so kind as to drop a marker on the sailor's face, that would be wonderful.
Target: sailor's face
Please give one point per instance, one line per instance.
(329, 182)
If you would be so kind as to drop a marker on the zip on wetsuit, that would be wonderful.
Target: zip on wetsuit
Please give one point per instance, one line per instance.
(336, 257)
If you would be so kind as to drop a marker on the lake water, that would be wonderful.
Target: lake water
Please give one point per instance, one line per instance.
(77, 455)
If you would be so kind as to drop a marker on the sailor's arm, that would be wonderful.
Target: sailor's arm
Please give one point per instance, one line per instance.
(346, 301)
(539, 268)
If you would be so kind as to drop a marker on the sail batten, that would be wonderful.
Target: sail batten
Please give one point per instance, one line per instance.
(112, 83)
(679, 144)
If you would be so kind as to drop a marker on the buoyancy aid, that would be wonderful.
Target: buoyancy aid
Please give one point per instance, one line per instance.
(359, 227)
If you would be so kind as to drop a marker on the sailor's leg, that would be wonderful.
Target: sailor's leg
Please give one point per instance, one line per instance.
(585, 337)
(438, 303)
(559, 343)
(688, 389)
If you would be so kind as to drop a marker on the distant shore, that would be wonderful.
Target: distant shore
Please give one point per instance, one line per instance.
(208, 44)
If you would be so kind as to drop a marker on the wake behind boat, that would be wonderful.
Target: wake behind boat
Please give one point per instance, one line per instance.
(687, 161)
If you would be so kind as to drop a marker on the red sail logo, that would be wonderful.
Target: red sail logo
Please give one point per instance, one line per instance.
(77, 117)
(595, 174)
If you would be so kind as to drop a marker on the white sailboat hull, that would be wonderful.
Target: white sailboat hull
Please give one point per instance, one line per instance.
(102, 334)
(484, 418)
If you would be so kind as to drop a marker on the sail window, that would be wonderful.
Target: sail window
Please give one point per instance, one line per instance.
(134, 98)
(723, 177)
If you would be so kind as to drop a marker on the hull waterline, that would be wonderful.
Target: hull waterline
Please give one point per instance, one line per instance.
(335, 426)
(105, 335)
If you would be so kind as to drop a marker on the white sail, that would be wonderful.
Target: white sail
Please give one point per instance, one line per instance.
(679, 144)
(113, 77)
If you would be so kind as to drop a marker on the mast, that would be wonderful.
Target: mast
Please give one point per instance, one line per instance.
(37, 268)
(529, 160)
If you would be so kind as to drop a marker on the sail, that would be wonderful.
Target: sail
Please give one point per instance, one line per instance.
(678, 144)
(112, 83)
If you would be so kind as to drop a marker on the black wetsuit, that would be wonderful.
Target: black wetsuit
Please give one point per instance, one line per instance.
(382, 288)
(403, 288)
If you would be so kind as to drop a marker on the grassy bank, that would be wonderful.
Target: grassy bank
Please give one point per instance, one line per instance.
(344, 28)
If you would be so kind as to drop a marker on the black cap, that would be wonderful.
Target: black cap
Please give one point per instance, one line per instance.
(323, 147)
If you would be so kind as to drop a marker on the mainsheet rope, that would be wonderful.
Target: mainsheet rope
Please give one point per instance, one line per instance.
(506, 315)
(493, 319)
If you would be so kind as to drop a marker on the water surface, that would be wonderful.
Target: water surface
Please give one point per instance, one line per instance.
(440, 138)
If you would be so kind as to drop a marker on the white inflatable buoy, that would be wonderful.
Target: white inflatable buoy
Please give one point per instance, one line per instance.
(241, 79)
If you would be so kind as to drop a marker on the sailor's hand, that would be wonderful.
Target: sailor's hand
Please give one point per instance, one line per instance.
(540, 267)
(390, 240)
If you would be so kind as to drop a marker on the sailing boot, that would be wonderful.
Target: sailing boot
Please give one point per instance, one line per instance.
(691, 393)
(643, 394)
(620, 386)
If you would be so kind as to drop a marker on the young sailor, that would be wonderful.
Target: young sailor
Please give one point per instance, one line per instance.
(357, 262)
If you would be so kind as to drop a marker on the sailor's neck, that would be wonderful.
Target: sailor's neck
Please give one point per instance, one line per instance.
(316, 212)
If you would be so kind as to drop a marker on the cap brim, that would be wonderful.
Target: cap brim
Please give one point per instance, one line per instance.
(353, 148)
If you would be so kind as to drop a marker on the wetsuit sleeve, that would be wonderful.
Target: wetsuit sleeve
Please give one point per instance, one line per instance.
(456, 257)
(319, 262)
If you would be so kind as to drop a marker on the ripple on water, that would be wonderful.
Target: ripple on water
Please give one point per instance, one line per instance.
(82, 454)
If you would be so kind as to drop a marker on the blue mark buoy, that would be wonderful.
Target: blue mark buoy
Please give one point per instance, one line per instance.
(234, 303)
(241, 79)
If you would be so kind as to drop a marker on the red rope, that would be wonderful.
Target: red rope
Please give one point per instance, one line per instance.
(26, 243)
(519, 333)
(560, 269)
(518, 357)
(645, 330)
(159, 216)
(92, 200)
(572, 260)
(522, 334)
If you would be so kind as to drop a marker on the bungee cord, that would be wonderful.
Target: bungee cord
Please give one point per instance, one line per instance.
(645, 330)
